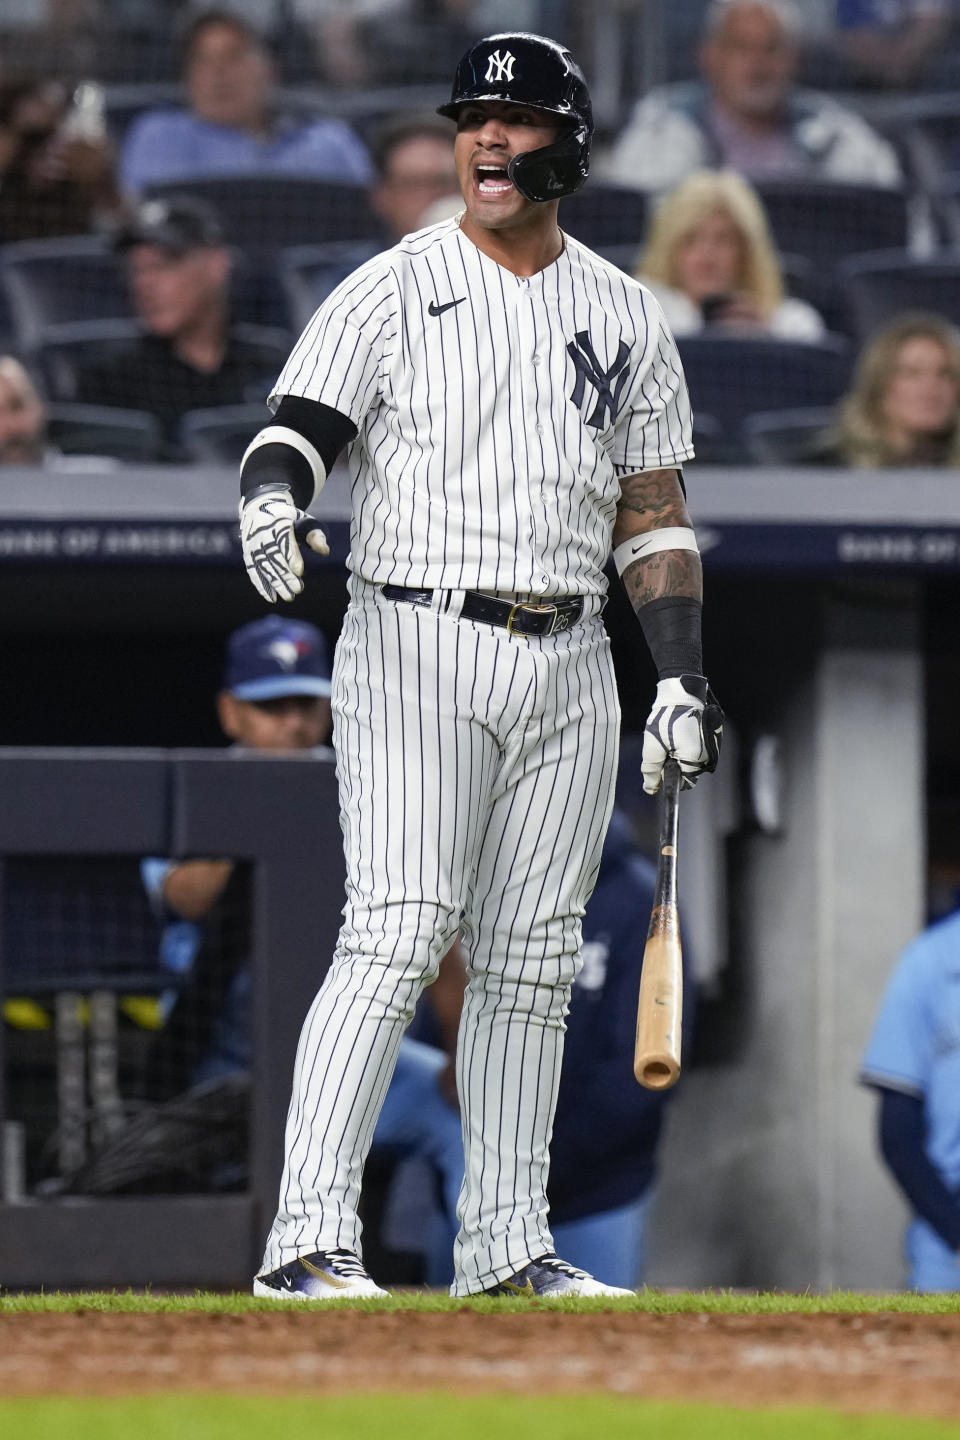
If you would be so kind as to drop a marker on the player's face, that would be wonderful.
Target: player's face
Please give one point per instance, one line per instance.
(709, 260)
(21, 424)
(420, 171)
(924, 391)
(171, 293)
(290, 722)
(489, 134)
(750, 62)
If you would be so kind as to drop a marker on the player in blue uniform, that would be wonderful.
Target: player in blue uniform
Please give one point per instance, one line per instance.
(606, 1131)
(913, 1061)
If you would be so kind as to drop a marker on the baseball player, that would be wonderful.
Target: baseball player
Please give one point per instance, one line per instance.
(913, 1062)
(512, 407)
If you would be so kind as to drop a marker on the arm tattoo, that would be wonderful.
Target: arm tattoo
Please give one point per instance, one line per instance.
(653, 500)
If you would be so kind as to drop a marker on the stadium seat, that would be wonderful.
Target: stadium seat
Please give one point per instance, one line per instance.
(219, 436)
(883, 285)
(309, 272)
(785, 437)
(59, 281)
(602, 216)
(707, 438)
(65, 349)
(53, 282)
(265, 213)
(824, 220)
(128, 435)
(730, 377)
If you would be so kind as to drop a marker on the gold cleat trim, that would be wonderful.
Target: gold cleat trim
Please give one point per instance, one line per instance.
(525, 1289)
(325, 1276)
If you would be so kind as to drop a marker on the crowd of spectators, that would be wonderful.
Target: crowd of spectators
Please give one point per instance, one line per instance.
(708, 150)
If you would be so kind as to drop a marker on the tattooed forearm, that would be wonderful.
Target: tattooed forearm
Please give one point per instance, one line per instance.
(668, 572)
(649, 501)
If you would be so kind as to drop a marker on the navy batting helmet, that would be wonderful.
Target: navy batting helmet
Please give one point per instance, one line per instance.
(532, 70)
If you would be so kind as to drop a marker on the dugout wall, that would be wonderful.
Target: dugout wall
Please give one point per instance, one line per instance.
(117, 590)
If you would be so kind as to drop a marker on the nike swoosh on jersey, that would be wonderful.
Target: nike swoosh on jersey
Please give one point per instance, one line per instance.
(434, 309)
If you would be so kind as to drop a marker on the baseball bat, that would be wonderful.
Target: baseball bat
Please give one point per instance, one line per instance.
(656, 1060)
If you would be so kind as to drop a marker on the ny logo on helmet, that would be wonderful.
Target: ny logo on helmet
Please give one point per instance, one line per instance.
(500, 67)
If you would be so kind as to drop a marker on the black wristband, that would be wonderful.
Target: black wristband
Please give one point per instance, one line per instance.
(671, 628)
(278, 464)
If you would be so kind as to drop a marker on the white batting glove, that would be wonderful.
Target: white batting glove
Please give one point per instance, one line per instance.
(270, 525)
(685, 724)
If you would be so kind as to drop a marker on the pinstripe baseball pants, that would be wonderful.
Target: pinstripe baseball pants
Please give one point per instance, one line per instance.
(476, 773)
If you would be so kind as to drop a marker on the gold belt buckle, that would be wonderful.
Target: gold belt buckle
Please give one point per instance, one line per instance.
(535, 610)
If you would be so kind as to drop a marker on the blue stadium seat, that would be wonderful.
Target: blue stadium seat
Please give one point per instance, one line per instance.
(46, 283)
(309, 272)
(824, 220)
(129, 435)
(63, 349)
(730, 377)
(883, 285)
(262, 214)
(219, 436)
(602, 216)
(59, 281)
(785, 437)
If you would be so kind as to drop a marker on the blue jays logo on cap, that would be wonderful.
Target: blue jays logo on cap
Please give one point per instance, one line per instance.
(271, 658)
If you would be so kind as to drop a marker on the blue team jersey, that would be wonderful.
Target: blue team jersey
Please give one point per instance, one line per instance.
(916, 1040)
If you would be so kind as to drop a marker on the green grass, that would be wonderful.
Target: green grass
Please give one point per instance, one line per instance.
(658, 1302)
(441, 1417)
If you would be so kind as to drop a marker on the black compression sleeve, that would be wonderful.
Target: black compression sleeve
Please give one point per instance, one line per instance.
(327, 430)
(672, 630)
(902, 1137)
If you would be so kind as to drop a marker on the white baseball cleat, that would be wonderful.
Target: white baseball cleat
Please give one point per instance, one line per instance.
(325, 1275)
(550, 1278)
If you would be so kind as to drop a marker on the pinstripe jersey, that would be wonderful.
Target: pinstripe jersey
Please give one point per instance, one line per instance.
(494, 412)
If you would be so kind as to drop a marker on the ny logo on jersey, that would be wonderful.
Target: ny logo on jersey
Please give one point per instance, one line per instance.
(500, 68)
(589, 370)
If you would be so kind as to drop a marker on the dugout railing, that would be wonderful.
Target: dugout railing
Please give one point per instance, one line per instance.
(280, 814)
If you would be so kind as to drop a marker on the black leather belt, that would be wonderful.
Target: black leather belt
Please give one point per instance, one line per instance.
(525, 619)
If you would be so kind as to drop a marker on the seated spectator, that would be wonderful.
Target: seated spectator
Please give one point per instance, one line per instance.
(232, 126)
(190, 357)
(57, 167)
(904, 407)
(747, 113)
(890, 42)
(604, 1155)
(22, 416)
(413, 156)
(710, 260)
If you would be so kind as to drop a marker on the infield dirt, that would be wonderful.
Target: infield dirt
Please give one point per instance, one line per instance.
(878, 1362)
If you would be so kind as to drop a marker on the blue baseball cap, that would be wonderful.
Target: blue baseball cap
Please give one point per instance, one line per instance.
(274, 657)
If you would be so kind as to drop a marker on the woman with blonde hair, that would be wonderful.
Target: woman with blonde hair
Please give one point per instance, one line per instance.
(710, 260)
(904, 405)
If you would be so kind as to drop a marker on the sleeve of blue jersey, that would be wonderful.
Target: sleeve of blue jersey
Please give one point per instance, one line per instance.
(900, 1051)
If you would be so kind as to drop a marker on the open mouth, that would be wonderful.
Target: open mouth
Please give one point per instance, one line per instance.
(493, 180)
